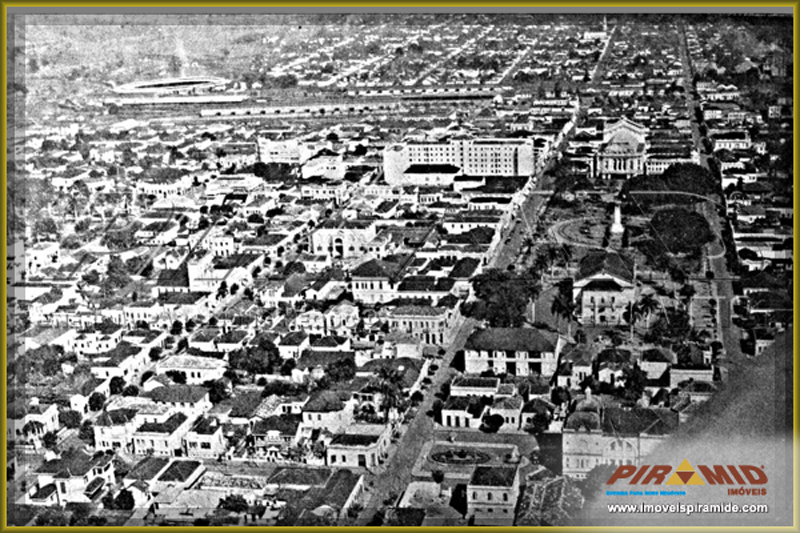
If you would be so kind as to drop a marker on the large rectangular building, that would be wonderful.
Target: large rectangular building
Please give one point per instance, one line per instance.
(472, 157)
(513, 351)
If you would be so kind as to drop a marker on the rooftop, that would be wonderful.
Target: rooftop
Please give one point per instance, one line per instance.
(493, 476)
(287, 475)
(180, 471)
(610, 263)
(168, 427)
(513, 339)
(178, 394)
(349, 439)
(147, 468)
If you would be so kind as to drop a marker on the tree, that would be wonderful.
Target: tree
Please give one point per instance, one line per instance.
(506, 296)
(96, 401)
(177, 328)
(79, 513)
(124, 500)
(45, 227)
(122, 238)
(155, 353)
(647, 306)
(341, 370)
(190, 325)
(218, 390)
(438, 476)
(288, 366)
(116, 385)
(222, 292)
(177, 376)
(635, 382)
(234, 289)
(560, 395)
(390, 384)
(117, 276)
(50, 440)
(108, 501)
(51, 517)
(263, 358)
(681, 230)
(234, 503)
(97, 521)
(86, 433)
(563, 306)
(130, 390)
(492, 423)
(70, 419)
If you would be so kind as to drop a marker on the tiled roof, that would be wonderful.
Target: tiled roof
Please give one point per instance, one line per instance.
(178, 394)
(147, 468)
(285, 424)
(516, 339)
(493, 476)
(611, 263)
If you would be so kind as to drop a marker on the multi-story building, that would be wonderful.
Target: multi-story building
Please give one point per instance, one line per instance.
(74, 477)
(292, 151)
(163, 437)
(359, 445)
(437, 163)
(197, 369)
(346, 238)
(206, 439)
(163, 187)
(492, 494)
(604, 288)
(427, 323)
(376, 281)
(624, 150)
(29, 423)
(513, 351)
(595, 436)
(732, 140)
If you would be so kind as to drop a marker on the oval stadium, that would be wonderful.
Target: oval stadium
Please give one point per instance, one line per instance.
(185, 85)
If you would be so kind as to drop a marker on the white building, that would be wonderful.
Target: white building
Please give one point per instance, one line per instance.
(444, 160)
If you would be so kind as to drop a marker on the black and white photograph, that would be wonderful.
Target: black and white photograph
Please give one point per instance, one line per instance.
(400, 267)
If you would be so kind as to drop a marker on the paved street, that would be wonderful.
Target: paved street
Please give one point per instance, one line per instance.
(393, 478)
(722, 288)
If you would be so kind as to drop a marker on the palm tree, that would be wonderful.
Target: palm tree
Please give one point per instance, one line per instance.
(634, 314)
(563, 305)
(528, 242)
(539, 265)
(688, 291)
(647, 306)
(566, 254)
(390, 386)
(552, 254)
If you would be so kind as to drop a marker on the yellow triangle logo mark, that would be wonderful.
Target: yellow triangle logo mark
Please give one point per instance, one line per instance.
(695, 480)
(675, 480)
(685, 475)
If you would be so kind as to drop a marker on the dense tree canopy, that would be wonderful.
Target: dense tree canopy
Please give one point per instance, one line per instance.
(681, 230)
(682, 177)
(506, 296)
(263, 358)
